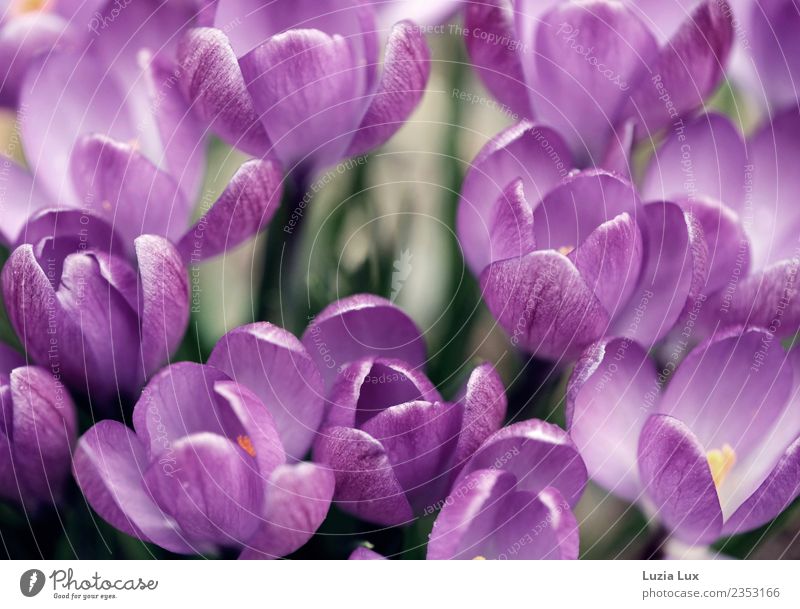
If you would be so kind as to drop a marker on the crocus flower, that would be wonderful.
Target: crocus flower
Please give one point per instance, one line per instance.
(765, 63)
(565, 258)
(203, 468)
(744, 195)
(80, 307)
(118, 82)
(592, 69)
(299, 79)
(121, 143)
(713, 452)
(37, 431)
(135, 198)
(514, 498)
(394, 444)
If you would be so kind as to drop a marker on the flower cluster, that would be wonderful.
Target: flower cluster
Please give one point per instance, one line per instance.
(623, 232)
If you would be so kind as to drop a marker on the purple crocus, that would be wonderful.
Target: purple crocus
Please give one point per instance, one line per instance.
(33, 29)
(394, 444)
(204, 468)
(744, 195)
(513, 500)
(299, 79)
(80, 307)
(37, 431)
(714, 451)
(567, 257)
(594, 70)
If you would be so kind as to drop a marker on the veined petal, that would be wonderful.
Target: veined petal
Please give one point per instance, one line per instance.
(676, 477)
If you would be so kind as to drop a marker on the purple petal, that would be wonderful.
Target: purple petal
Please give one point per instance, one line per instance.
(536, 155)
(676, 477)
(366, 485)
(43, 430)
(498, 63)
(358, 326)
(212, 81)
(775, 494)
(306, 82)
(731, 390)
(273, 364)
(774, 26)
(511, 228)
(674, 273)
(610, 261)
(493, 521)
(298, 498)
(611, 391)
(23, 38)
(775, 184)
(250, 22)
(706, 158)
(405, 75)
(572, 211)
(767, 299)
(164, 309)
(584, 99)
(181, 137)
(539, 454)
(688, 68)
(248, 203)
(252, 421)
(129, 191)
(728, 245)
(214, 491)
(419, 439)
(73, 229)
(484, 404)
(542, 301)
(369, 386)
(109, 465)
(71, 95)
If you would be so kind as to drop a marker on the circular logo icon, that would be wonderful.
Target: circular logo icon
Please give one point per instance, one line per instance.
(31, 582)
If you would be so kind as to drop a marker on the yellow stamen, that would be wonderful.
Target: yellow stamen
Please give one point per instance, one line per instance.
(479, 558)
(565, 249)
(106, 205)
(247, 445)
(721, 461)
(134, 144)
(20, 7)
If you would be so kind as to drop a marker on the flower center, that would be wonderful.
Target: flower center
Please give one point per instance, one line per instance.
(246, 444)
(20, 7)
(721, 461)
(566, 250)
(479, 558)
